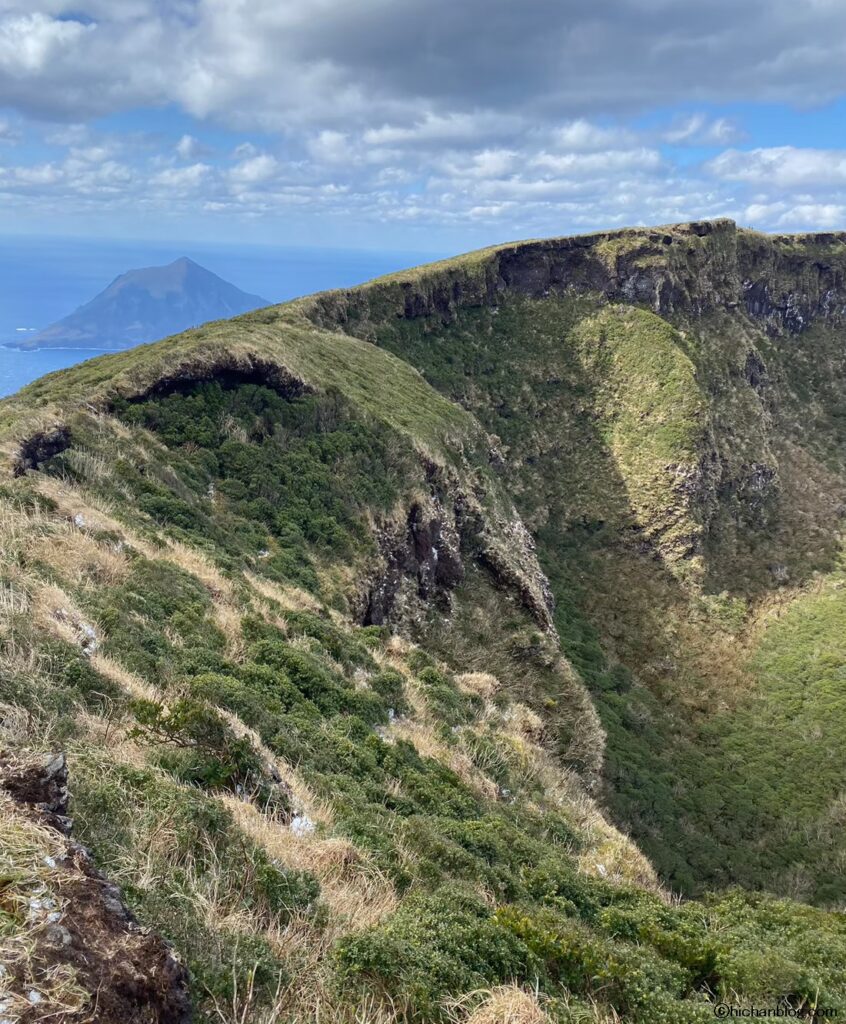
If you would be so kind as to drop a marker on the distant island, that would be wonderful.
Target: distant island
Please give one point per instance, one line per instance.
(144, 305)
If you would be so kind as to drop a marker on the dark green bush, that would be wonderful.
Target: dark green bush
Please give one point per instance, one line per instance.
(390, 686)
(445, 700)
(433, 946)
(206, 750)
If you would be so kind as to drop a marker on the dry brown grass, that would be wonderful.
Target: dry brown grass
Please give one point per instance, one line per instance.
(357, 894)
(289, 598)
(480, 684)
(505, 1004)
(30, 893)
(608, 853)
(81, 506)
(86, 512)
(20, 528)
(227, 617)
(520, 720)
(110, 735)
(78, 558)
(197, 563)
(56, 612)
(422, 735)
(129, 682)
(305, 801)
(397, 650)
(15, 726)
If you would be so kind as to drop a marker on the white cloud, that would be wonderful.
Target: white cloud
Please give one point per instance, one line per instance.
(814, 215)
(582, 164)
(782, 166)
(331, 147)
(92, 154)
(68, 135)
(489, 211)
(42, 174)
(454, 128)
(109, 178)
(414, 71)
(30, 42)
(182, 178)
(430, 114)
(245, 150)
(488, 163)
(581, 135)
(188, 147)
(254, 170)
(700, 130)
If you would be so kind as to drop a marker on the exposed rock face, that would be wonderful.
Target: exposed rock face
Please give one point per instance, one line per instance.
(690, 269)
(791, 281)
(131, 973)
(40, 447)
(421, 561)
(782, 285)
(423, 557)
(42, 787)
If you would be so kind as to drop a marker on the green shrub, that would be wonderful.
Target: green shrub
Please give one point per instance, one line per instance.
(292, 476)
(639, 984)
(343, 645)
(445, 700)
(433, 946)
(390, 686)
(156, 603)
(206, 750)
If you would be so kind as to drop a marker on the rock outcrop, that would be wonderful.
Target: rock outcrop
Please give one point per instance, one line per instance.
(423, 556)
(83, 928)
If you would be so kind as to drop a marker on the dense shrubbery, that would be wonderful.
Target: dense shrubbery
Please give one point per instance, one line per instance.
(652, 963)
(593, 404)
(446, 702)
(157, 619)
(200, 748)
(436, 945)
(264, 477)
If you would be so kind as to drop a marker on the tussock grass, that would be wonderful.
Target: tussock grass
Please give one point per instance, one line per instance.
(288, 598)
(357, 894)
(305, 801)
(76, 556)
(130, 682)
(482, 684)
(425, 740)
(55, 611)
(505, 1004)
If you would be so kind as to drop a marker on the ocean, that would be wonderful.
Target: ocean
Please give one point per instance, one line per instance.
(44, 279)
(19, 368)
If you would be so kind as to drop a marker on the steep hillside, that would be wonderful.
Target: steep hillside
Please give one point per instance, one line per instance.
(363, 623)
(670, 406)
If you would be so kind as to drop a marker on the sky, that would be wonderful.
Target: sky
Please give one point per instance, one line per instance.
(425, 125)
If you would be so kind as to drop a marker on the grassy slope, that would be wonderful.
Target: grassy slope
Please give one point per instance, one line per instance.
(438, 849)
(386, 387)
(604, 412)
(152, 626)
